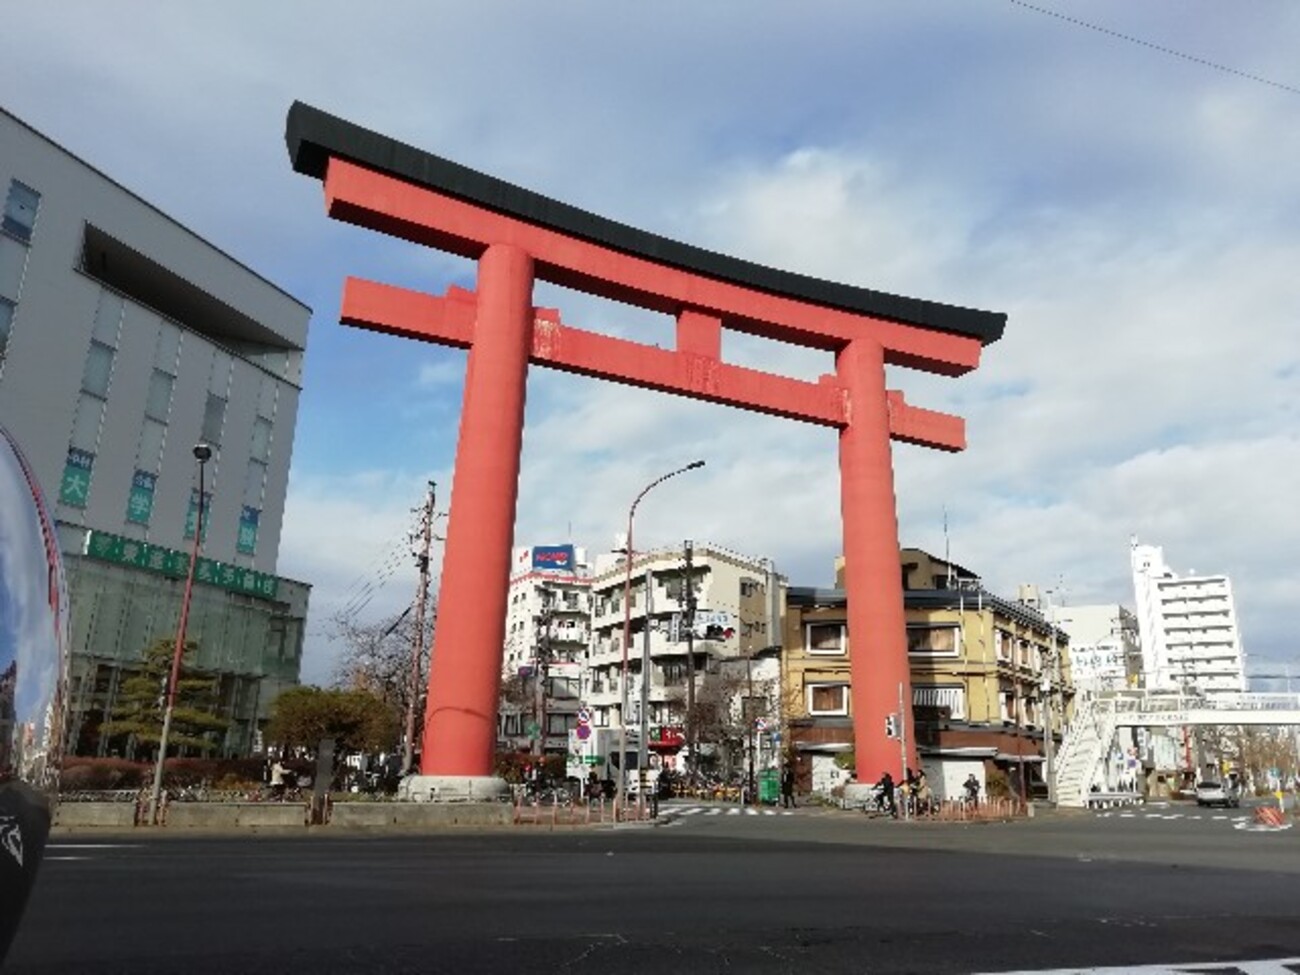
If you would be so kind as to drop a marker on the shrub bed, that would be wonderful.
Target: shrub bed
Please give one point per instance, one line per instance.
(82, 774)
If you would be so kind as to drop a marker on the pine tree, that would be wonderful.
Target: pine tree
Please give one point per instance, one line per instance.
(141, 701)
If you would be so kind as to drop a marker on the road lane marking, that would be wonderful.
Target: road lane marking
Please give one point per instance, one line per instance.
(92, 846)
(1265, 966)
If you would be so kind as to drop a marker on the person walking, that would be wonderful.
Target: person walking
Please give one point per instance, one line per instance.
(787, 786)
(278, 773)
(972, 787)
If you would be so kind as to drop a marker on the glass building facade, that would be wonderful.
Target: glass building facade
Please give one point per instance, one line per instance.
(250, 644)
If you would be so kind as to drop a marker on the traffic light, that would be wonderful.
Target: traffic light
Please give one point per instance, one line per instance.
(891, 726)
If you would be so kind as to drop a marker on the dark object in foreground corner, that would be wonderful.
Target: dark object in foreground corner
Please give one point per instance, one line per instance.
(33, 668)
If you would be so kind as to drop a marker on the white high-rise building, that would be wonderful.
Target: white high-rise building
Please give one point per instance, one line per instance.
(1188, 627)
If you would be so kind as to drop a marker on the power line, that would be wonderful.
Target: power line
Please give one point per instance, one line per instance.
(1156, 47)
(364, 587)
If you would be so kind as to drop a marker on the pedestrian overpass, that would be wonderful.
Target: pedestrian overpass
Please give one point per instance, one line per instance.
(1088, 740)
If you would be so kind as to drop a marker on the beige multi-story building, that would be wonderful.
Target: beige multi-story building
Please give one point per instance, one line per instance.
(988, 676)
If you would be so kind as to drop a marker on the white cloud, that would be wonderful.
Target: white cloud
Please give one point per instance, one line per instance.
(1135, 215)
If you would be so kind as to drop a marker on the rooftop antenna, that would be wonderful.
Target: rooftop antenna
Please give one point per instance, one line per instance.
(947, 558)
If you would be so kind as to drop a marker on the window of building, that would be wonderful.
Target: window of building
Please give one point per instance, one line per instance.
(562, 687)
(933, 640)
(828, 699)
(20, 210)
(674, 672)
(6, 323)
(98, 371)
(254, 478)
(152, 436)
(86, 423)
(830, 639)
(560, 724)
(1007, 699)
(260, 449)
(214, 418)
(158, 402)
(1002, 640)
(951, 699)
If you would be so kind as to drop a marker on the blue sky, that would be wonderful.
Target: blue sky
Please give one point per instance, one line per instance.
(1136, 215)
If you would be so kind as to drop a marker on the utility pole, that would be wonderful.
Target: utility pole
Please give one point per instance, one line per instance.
(689, 622)
(543, 654)
(1049, 734)
(643, 756)
(751, 720)
(417, 644)
(902, 737)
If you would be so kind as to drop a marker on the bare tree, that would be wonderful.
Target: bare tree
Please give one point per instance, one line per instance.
(377, 659)
(1257, 750)
(728, 702)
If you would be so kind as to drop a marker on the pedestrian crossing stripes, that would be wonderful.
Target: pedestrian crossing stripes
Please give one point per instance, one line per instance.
(725, 811)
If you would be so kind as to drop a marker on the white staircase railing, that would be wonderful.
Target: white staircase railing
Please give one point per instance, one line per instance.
(1083, 749)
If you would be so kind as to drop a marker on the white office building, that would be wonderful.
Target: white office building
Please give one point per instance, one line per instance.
(1188, 627)
(125, 339)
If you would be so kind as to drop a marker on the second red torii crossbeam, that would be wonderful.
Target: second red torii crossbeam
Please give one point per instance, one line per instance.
(449, 320)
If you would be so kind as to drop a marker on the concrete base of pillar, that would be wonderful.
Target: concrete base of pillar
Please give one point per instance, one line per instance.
(452, 788)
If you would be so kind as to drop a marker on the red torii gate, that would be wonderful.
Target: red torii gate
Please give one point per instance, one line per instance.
(516, 237)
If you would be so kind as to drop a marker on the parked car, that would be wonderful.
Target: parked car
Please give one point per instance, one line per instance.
(1217, 794)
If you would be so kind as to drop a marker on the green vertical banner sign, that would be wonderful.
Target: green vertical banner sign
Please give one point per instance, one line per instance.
(75, 487)
(192, 514)
(248, 519)
(139, 503)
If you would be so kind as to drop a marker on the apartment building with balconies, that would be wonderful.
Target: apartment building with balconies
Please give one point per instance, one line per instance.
(729, 648)
(548, 629)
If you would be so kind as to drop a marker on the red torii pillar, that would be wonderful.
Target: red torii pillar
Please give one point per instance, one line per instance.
(517, 236)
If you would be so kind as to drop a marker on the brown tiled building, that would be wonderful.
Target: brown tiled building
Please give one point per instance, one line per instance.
(988, 675)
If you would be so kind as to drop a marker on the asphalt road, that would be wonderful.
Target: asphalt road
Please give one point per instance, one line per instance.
(812, 892)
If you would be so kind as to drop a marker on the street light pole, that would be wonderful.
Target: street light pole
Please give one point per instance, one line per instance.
(202, 453)
(688, 621)
(627, 633)
(643, 752)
